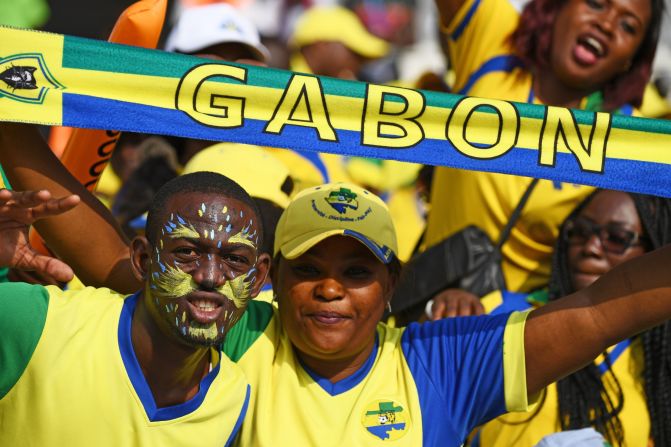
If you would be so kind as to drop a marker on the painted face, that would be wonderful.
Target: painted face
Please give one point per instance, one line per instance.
(332, 297)
(590, 255)
(596, 40)
(202, 269)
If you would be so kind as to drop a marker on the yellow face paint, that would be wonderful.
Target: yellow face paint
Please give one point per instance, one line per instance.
(238, 290)
(173, 283)
(241, 238)
(169, 282)
(208, 332)
(184, 231)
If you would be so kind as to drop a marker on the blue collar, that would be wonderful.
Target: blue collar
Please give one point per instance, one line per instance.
(138, 380)
(347, 383)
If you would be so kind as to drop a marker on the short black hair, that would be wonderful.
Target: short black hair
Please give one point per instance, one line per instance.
(199, 182)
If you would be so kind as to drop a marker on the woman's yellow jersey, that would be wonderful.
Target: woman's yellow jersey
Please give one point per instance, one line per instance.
(422, 385)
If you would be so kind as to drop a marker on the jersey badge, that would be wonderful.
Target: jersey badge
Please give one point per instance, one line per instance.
(386, 419)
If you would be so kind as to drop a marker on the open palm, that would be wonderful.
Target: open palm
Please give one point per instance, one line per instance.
(19, 210)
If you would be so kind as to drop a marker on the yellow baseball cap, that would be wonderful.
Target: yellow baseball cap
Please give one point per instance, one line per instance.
(337, 24)
(336, 209)
(261, 174)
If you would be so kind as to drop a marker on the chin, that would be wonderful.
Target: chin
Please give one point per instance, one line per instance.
(202, 342)
(581, 281)
(200, 337)
(327, 348)
(576, 77)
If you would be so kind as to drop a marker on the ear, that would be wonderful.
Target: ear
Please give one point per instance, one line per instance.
(390, 288)
(139, 256)
(262, 269)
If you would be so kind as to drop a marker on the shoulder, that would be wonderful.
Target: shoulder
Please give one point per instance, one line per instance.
(246, 332)
(23, 313)
(472, 12)
(23, 307)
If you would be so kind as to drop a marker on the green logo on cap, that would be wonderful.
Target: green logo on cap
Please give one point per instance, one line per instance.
(342, 199)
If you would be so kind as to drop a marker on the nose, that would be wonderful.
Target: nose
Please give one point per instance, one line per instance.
(593, 246)
(329, 289)
(607, 21)
(209, 274)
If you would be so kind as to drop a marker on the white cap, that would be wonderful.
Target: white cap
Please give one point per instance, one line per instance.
(203, 26)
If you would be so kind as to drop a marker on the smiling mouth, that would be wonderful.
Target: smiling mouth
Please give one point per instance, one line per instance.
(205, 310)
(328, 318)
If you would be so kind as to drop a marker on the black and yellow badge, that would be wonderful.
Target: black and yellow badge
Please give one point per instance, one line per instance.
(386, 420)
(25, 77)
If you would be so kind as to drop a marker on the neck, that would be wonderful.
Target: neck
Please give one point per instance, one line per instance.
(173, 370)
(552, 91)
(338, 369)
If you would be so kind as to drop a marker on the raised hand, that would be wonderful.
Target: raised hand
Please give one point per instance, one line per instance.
(18, 210)
(454, 303)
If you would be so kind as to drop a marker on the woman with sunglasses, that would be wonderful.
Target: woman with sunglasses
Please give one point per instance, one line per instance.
(586, 54)
(622, 394)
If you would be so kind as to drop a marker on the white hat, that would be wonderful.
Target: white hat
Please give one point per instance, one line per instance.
(203, 26)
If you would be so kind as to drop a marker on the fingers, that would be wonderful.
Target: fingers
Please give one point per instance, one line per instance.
(451, 306)
(24, 199)
(48, 266)
(55, 206)
(27, 206)
(455, 303)
(477, 308)
(438, 309)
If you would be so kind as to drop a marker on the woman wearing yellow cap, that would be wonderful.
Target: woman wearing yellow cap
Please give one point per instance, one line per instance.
(325, 371)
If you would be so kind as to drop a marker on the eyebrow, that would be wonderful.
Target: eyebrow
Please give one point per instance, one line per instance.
(617, 222)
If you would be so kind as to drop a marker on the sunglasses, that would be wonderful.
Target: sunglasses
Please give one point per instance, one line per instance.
(614, 239)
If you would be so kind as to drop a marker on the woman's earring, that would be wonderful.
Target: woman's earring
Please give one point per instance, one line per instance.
(389, 306)
(274, 296)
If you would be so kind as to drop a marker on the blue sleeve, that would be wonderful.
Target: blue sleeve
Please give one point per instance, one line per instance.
(457, 364)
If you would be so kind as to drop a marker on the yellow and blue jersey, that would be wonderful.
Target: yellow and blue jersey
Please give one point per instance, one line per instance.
(69, 376)
(422, 385)
(626, 359)
(485, 66)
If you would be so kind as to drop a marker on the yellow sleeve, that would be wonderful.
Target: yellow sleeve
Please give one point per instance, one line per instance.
(514, 367)
(477, 33)
(492, 300)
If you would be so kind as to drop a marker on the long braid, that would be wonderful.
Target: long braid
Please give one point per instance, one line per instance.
(655, 215)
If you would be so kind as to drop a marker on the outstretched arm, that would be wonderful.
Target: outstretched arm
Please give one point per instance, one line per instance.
(565, 335)
(86, 238)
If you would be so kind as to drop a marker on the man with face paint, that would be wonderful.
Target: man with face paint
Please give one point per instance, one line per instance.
(96, 367)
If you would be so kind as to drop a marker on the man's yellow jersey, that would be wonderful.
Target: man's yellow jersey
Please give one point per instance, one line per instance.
(69, 377)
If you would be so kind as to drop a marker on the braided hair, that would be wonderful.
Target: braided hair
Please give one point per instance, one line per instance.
(583, 400)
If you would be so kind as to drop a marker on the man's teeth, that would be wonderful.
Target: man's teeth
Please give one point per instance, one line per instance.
(595, 44)
(205, 305)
